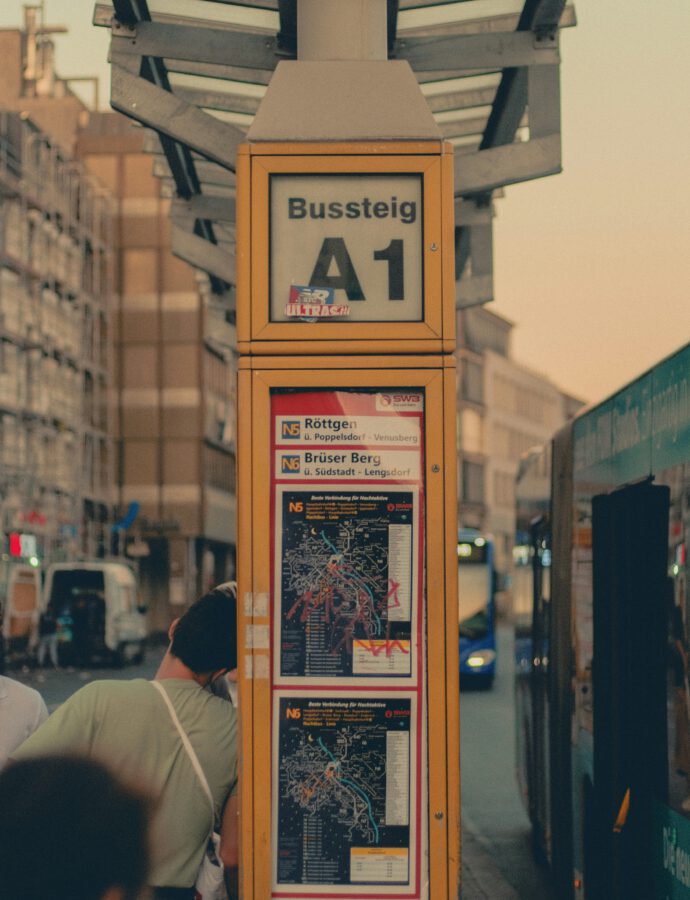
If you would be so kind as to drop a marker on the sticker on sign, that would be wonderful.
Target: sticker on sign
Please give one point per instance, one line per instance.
(312, 303)
(397, 400)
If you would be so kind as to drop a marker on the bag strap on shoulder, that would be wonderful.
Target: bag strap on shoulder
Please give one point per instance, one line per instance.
(187, 744)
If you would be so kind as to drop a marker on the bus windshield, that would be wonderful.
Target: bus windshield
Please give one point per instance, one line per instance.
(474, 588)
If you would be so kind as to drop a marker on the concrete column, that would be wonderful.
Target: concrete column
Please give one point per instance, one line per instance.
(329, 30)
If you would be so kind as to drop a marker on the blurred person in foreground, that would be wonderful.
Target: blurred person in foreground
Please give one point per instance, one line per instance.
(22, 710)
(126, 725)
(70, 831)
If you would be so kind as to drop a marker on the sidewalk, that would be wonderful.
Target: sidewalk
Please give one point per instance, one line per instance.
(481, 879)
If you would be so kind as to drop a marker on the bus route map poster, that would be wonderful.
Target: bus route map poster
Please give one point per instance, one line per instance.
(347, 542)
(344, 806)
(346, 563)
(347, 648)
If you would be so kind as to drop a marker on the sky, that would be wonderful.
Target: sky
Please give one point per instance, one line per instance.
(592, 265)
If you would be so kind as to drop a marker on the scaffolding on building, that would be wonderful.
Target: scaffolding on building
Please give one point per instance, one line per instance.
(56, 281)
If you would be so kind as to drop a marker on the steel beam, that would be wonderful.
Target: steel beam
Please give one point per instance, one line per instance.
(209, 45)
(473, 252)
(130, 12)
(462, 127)
(467, 145)
(207, 173)
(392, 24)
(481, 172)
(434, 75)
(474, 291)
(142, 80)
(199, 252)
(474, 249)
(206, 170)
(209, 190)
(477, 51)
(474, 281)
(287, 36)
(462, 251)
(482, 249)
(545, 16)
(229, 102)
(469, 212)
(215, 209)
(544, 100)
(461, 99)
(158, 109)
(507, 110)
(490, 24)
(212, 70)
(211, 185)
(539, 18)
(211, 173)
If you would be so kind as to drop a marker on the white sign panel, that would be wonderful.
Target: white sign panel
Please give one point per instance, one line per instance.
(372, 431)
(346, 464)
(346, 248)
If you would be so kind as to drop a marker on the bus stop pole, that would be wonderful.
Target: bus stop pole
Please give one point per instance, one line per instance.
(330, 30)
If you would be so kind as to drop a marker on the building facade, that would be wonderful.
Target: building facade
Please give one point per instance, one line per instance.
(174, 386)
(504, 409)
(56, 274)
(117, 377)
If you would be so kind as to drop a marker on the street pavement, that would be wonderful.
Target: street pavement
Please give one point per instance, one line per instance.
(55, 686)
(497, 856)
(481, 877)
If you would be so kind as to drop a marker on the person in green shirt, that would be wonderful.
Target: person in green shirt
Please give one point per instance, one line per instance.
(126, 725)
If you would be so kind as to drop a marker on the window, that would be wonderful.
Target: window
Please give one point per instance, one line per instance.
(472, 482)
(140, 272)
(471, 381)
(504, 489)
(139, 180)
(219, 469)
(471, 431)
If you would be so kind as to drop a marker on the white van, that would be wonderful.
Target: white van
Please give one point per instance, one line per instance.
(98, 611)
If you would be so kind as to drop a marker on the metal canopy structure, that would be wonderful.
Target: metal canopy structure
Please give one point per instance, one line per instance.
(195, 71)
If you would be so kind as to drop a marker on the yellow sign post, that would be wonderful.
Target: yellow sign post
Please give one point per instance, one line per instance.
(347, 521)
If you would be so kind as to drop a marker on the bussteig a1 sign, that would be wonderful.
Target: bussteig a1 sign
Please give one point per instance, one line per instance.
(346, 247)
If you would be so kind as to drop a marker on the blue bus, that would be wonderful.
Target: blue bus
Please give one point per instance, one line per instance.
(476, 608)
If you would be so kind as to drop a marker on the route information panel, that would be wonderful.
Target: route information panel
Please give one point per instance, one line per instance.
(343, 799)
(346, 583)
(347, 515)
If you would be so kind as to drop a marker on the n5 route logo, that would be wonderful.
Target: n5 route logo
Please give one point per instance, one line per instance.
(290, 429)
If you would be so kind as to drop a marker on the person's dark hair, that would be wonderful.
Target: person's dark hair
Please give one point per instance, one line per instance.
(69, 830)
(205, 638)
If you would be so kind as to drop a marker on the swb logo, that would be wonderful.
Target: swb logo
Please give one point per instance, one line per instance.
(397, 400)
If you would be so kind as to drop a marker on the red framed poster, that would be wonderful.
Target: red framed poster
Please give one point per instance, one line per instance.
(348, 647)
